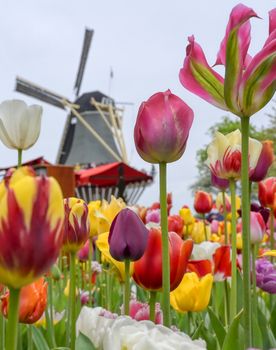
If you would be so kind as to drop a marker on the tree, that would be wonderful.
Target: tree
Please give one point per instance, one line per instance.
(226, 125)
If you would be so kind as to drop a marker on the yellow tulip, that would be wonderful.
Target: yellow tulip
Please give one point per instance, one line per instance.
(239, 241)
(198, 234)
(193, 294)
(93, 207)
(269, 253)
(187, 216)
(103, 246)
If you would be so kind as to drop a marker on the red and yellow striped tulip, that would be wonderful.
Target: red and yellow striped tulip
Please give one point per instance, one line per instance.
(31, 227)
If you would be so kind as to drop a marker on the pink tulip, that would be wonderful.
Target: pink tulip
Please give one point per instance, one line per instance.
(265, 160)
(162, 128)
(257, 227)
(249, 83)
(140, 311)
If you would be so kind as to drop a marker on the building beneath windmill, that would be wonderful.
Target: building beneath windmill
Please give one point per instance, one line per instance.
(92, 146)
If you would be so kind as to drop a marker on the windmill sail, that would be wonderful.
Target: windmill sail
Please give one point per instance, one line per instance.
(28, 88)
(85, 50)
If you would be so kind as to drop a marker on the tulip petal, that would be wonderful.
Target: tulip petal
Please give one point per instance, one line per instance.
(199, 78)
(259, 80)
(237, 43)
(200, 267)
(272, 20)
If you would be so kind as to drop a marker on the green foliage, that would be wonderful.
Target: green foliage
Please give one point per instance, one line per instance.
(225, 126)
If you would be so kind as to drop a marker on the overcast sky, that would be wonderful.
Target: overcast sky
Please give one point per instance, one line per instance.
(143, 41)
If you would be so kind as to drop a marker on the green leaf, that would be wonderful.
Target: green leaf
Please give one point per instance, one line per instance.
(39, 340)
(217, 326)
(84, 343)
(257, 334)
(232, 339)
(197, 331)
(268, 337)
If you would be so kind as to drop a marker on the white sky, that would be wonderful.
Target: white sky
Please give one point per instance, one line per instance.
(144, 41)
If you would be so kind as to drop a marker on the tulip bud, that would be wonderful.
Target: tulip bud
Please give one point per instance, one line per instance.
(264, 162)
(76, 225)
(267, 192)
(127, 236)
(148, 269)
(257, 227)
(31, 227)
(83, 253)
(203, 202)
(32, 302)
(187, 216)
(162, 128)
(19, 124)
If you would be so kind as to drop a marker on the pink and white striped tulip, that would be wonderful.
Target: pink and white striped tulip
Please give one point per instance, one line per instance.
(249, 83)
(257, 227)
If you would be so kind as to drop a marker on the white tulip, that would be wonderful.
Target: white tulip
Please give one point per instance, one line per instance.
(126, 333)
(204, 250)
(19, 124)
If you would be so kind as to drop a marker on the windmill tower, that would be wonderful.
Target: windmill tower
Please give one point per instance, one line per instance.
(92, 139)
(93, 128)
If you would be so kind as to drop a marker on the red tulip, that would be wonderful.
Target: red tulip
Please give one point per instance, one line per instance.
(267, 192)
(203, 202)
(148, 269)
(76, 224)
(162, 128)
(32, 301)
(265, 160)
(176, 224)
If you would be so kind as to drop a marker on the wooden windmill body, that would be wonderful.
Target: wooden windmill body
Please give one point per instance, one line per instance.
(92, 136)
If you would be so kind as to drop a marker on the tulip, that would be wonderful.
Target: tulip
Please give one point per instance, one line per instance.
(148, 269)
(83, 253)
(32, 302)
(203, 202)
(198, 232)
(127, 236)
(224, 155)
(204, 250)
(153, 215)
(140, 311)
(221, 184)
(219, 203)
(93, 207)
(162, 128)
(192, 294)
(265, 160)
(249, 83)
(103, 246)
(257, 227)
(267, 192)
(19, 124)
(175, 224)
(266, 276)
(187, 216)
(76, 225)
(31, 224)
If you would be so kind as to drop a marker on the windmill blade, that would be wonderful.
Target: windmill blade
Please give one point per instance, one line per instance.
(28, 88)
(85, 50)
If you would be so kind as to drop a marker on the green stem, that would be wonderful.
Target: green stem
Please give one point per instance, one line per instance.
(90, 271)
(13, 319)
(226, 304)
(2, 331)
(153, 295)
(233, 292)
(254, 250)
(225, 218)
(19, 158)
(205, 228)
(127, 287)
(271, 231)
(30, 337)
(73, 299)
(246, 233)
(165, 244)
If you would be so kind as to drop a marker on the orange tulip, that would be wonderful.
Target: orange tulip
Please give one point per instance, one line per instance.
(32, 301)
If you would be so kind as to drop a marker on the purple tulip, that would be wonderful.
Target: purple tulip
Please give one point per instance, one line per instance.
(265, 160)
(221, 184)
(266, 276)
(128, 236)
(162, 128)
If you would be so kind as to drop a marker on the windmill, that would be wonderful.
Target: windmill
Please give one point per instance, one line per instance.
(92, 135)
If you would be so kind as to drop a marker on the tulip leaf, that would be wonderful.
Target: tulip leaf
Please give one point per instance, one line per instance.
(273, 320)
(233, 338)
(84, 343)
(257, 334)
(217, 326)
(197, 331)
(268, 337)
(39, 340)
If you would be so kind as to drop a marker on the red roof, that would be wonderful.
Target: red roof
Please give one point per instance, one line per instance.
(109, 175)
(33, 162)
